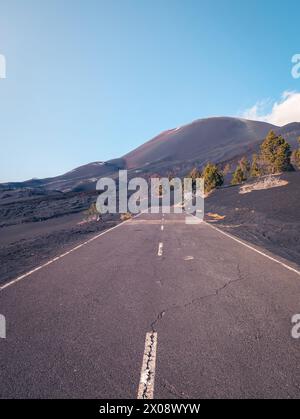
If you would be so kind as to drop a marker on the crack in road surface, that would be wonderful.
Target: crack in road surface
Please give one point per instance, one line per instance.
(170, 388)
(146, 385)
(194, 301)
(158, 318)
(217, 291)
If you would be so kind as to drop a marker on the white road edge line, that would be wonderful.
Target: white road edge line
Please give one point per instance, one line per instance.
(160, 249)
(14, 281)
(254, 249)
(147, 378)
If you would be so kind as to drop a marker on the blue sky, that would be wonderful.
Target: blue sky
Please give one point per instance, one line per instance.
(91, 80)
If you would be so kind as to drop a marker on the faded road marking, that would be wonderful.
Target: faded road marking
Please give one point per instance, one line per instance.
(160, 249)
(189, 258)
(255, 250)
(146, 384)
(191, 219)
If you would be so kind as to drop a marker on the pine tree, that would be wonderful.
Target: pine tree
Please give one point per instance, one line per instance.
(213, 177)
(195, 174)
(226, 169)
(238, 176)
(276, 154)
(245, 166)
(255, 170)
(296, 156)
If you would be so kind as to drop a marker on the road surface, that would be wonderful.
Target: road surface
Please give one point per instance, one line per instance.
(220, 313)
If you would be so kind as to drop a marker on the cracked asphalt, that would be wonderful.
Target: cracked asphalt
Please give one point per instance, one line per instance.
(222, 313)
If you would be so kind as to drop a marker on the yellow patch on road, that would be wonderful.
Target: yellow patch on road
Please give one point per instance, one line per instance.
(216, 217)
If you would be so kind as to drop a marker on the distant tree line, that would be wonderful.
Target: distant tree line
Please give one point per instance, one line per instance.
(275, 156)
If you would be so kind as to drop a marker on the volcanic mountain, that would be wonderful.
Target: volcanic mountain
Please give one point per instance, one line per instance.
(217, 139)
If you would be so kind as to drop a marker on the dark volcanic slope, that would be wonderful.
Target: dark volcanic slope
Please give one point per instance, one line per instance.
(268, 218)
(82, 178)
(215, 139)
(36, 225)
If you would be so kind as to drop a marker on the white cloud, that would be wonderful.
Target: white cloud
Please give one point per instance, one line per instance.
(283, 112)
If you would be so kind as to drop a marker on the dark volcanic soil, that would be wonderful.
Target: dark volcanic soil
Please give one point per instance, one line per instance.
(36, 226)
(267, 218)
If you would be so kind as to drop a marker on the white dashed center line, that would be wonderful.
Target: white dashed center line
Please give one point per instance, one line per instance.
(160, 249)
(162, 228)
(146, 385)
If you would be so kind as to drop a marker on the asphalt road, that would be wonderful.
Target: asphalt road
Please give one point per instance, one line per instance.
(221, 311)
